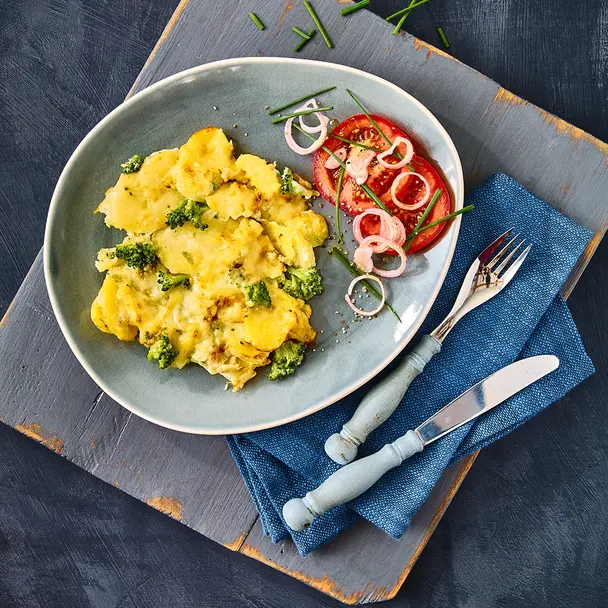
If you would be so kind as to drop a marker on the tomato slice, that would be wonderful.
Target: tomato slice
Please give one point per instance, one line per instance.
(354, 200)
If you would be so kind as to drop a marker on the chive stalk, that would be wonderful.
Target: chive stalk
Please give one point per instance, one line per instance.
(343, 259)
(300, 99)
(338, 194)
(300, 32)
(441, 220)
(353, 8)
(444, 38)
(274, 121)
(318, 23)
(412, 6)
(304, 42)
(354, 143)
(373, 122)
(424, 216)
(257, 21)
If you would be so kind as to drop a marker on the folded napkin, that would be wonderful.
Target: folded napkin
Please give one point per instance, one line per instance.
(527, 318)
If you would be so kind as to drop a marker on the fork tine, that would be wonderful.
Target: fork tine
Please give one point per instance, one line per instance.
(485, 255)
(500, 254)
(504, 263)
(506, 278)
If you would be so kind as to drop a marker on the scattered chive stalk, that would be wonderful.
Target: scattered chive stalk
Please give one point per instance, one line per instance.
(300, 113)
(414, 4)
(343, 259)
(257, 21)
(300, 32)
(304, 42)
(338, 194)
(424, 216)
(444, 38)
(354, 143)
(353, 8)
(300, 99)
(318, 23)
(441, 220)
(363, 187)
(373, 122)
(402, 20)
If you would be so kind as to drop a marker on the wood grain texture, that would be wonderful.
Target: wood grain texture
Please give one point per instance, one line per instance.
(47, 435)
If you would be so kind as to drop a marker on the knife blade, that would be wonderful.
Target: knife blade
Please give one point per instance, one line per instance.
(355, 478)
(485, 395)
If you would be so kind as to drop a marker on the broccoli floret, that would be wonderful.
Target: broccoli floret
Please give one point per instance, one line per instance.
(303, 283)
(162, 351)
(290, 184)
(257, 295)
(188, 211)
(167, 281)
(285, 359)
(133, 164)
(287, 182)
(136, 255)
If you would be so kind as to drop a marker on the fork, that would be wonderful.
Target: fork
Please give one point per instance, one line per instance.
(487, 276)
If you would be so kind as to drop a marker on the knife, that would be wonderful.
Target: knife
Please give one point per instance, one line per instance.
(353, 479)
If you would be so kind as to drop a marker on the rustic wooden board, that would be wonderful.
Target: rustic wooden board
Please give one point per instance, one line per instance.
(49, 397)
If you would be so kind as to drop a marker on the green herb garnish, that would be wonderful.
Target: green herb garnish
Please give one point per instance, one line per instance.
(354, 7)
(257, 21)
(133, 165)
(445, 218)
(374, 123)
(407, 9)
(303, 43)
(338, 193)
(274, 121)
(343, 259)
(444, 38)
(300, 32)
(424, 216)
(354, 143)
(318, 23)
(300, 99)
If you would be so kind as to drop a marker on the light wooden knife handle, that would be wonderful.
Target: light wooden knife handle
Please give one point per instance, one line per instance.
(349, 482)
(380, 403)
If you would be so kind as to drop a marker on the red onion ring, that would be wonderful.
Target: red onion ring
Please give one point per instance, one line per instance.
(363, 258)
(332, 163)
(388, 228)
(323, 122)
(399, 231)
(409, 154)
(379, 271)
(349, 301)
(358, 170)
(416, 205)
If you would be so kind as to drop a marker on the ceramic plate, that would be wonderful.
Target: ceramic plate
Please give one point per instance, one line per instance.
(164, 116)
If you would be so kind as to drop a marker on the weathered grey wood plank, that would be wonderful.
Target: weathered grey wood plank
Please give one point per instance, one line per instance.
(372, 566)
(49, 397)
(193, 478)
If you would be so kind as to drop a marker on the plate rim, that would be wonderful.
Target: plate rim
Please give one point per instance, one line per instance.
(150, 90)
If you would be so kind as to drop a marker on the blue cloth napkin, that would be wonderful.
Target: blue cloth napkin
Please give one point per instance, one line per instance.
(527, 318)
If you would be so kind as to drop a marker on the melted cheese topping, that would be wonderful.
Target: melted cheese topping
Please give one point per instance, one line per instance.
(252, 233)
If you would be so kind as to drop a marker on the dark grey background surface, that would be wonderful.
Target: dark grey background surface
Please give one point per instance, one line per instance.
(529, 527)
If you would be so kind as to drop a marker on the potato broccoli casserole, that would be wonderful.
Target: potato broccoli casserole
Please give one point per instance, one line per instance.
(217, 263)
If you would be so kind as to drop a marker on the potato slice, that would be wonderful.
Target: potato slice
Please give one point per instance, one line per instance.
(205, 161)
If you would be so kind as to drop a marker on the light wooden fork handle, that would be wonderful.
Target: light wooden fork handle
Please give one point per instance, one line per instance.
(380, 403)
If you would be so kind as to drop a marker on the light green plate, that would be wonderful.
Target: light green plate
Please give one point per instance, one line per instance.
(164, 116)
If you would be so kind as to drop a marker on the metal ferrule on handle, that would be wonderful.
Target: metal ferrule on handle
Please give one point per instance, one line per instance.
(378, 405)
(349, 482)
